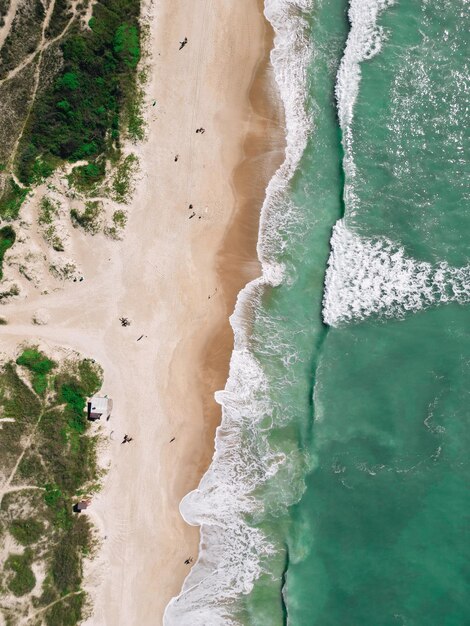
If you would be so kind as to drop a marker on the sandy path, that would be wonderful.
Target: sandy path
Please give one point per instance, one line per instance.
(161, 277)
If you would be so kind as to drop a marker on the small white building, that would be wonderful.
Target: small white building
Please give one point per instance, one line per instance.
(98, 407)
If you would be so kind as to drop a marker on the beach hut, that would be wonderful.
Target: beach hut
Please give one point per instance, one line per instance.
(81, 506)
(97, 407)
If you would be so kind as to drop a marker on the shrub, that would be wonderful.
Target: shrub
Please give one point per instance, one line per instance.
(27, 531)
(90, 218)
(39, 365)
(68, 612)
(7, 239)
(90, 377)
(24, 579)
(48, 210)
(11, 200)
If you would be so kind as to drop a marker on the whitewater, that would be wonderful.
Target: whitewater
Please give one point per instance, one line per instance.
(231, 551)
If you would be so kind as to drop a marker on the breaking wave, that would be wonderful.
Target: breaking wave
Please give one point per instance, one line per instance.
(368, 277)
(364, 42)
(231, 551)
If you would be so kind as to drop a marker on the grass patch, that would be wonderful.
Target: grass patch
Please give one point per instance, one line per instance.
(90, 218)
(40, 366)
(85, 178)
(27, 531)
(24, 579)
(7, 239)
(48, 211)
(90, 377)
(122, 183)
(11, 200)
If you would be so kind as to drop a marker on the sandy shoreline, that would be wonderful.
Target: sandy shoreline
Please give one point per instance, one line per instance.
(176, 279)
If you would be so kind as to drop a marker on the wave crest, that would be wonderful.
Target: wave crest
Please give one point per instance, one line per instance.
(368, 277)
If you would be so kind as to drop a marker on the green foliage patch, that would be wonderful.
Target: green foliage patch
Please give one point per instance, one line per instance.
(90, 218)
(78, 117)
(61, 461)
(7, 239)
(122, 181)
(39, 365)
(26, 531)
(68, 612)
(11, 200)
(24, 579)
(48, 211)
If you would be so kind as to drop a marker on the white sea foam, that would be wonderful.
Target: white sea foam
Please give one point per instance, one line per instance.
(363, 43)
(375, 277)
(231, 551)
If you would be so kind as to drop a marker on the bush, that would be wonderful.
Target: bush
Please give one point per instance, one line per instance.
(24, 579)
(68, 612)
(75, 400)
(7, 239)
(90, 377)
(27, 531)
(11, 200)
(39, 365)
(89, 219)
(66, 560)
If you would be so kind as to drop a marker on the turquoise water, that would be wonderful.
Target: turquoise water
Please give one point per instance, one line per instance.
(339, 493)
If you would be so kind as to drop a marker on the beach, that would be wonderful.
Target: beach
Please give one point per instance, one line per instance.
(175, 276)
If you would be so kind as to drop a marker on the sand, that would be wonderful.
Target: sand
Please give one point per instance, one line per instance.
(176, 279)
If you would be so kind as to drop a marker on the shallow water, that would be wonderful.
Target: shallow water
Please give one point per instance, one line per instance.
(339, 490)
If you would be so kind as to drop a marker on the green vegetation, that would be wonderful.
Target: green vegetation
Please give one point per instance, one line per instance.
(23, 579)
(119, 222)
(9, 293)
(90, 218)
(52, 238)
(39, 365)
(79, 116)
(7, 239)
(26, 531)
(66, 613)
(48, 210)
(122, 182)
(60, 459)
(86, 178)
(12, 199)
(119, 218)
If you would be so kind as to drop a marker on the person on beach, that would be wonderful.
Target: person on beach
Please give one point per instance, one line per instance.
(183, 43)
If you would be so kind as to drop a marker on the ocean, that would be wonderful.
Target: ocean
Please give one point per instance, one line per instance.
(339, 490)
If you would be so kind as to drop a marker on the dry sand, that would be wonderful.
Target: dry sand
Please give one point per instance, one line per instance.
(176, 279)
